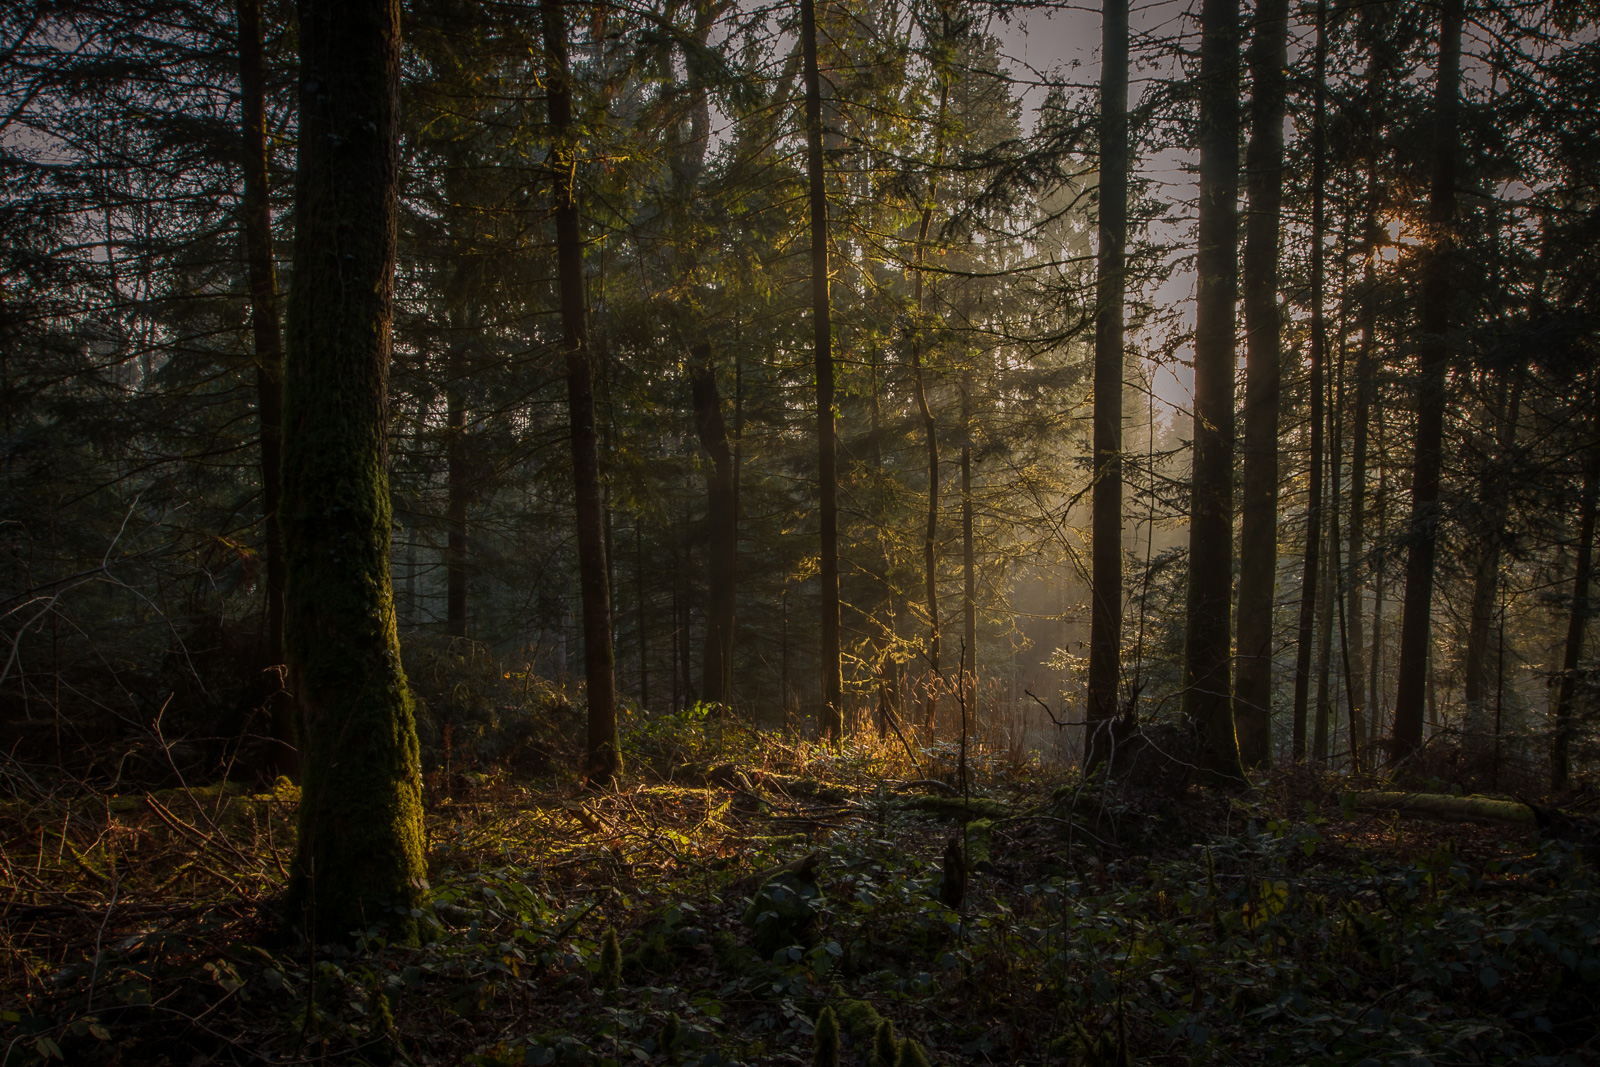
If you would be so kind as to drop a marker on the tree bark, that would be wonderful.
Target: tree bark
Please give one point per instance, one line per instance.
(642, 603)
(360, 857)
(1578, 618)
(1111, 283)
(831, 714)
(261, 272)
(1206, 696)
(455, 489)
(1433, 357)
(602, 756)
(1263, 324)
(1318, 386)
(969, 566)
(1356, 543)
(1476, 728)
(930, 428)
(716, 684)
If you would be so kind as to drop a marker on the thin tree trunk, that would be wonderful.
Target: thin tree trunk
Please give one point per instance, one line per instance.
(716, 684)
(261, 271)
(969, 569)
(930, 429)
(1379, 587)
(602, 756)
(1577, 619)
(1258, 530)
(1477, 733)
(1324, 669)
(360, 856)
(1207, 651)
(831, 715)
(1361, 693)
(1433, 357)
(1111, 284)
(930, 535)
(644, 630)
(1319, 350)
(1356, 544)
(455, 613)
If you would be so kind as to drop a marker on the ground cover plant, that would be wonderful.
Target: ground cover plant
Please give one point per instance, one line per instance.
(736, 883)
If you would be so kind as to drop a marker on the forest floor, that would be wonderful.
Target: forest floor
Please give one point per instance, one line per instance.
(1096, 924)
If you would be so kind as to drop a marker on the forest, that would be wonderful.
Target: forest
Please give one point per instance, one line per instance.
(879, 532)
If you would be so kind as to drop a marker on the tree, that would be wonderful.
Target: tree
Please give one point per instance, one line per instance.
(831, 725)
(267, 334)
(602, 754)
(722, 522)
(1263, 327)
(360, 856)
(1206, 703)
(1433, 359)
(1310, 567)
(1105, 620)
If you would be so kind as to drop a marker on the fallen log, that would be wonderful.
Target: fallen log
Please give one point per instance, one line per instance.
(1444, 806)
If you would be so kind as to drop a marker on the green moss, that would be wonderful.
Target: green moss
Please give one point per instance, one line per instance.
(610, 960)
(826, 1038)
(980, 842)
(385, 1041)
(860, 1019)
(911, 1055)
(883, 1045)
(361, 857)
(671, 1035)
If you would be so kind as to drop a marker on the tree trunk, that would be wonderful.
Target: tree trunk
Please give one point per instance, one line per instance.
(930, 428)
(969, 568)
(1207, 651)
(644, 630)
(1318, 386)
(262, 273)
(1323, 721)
(1356, 543)
(716, 685)
(1478, 734)
(831, 714)
(1111, 284)
(1380, 578)
(1433, 358)
(1361, 693)
(1578, 618)
(361, 856)
(602, 756)
(455, 601)
(930, 534)
(1263, 326)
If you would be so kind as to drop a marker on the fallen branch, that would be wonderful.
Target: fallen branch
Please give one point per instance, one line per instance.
(1443, 806)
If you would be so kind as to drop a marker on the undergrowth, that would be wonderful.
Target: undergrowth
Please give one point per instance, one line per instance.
(1096, 924)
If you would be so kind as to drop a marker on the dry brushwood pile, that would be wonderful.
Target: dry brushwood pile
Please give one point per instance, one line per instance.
(708, 912)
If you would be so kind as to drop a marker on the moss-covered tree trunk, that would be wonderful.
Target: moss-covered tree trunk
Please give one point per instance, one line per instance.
(602, 754)
(360, 858)
(1207, 701)
(260, 269)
